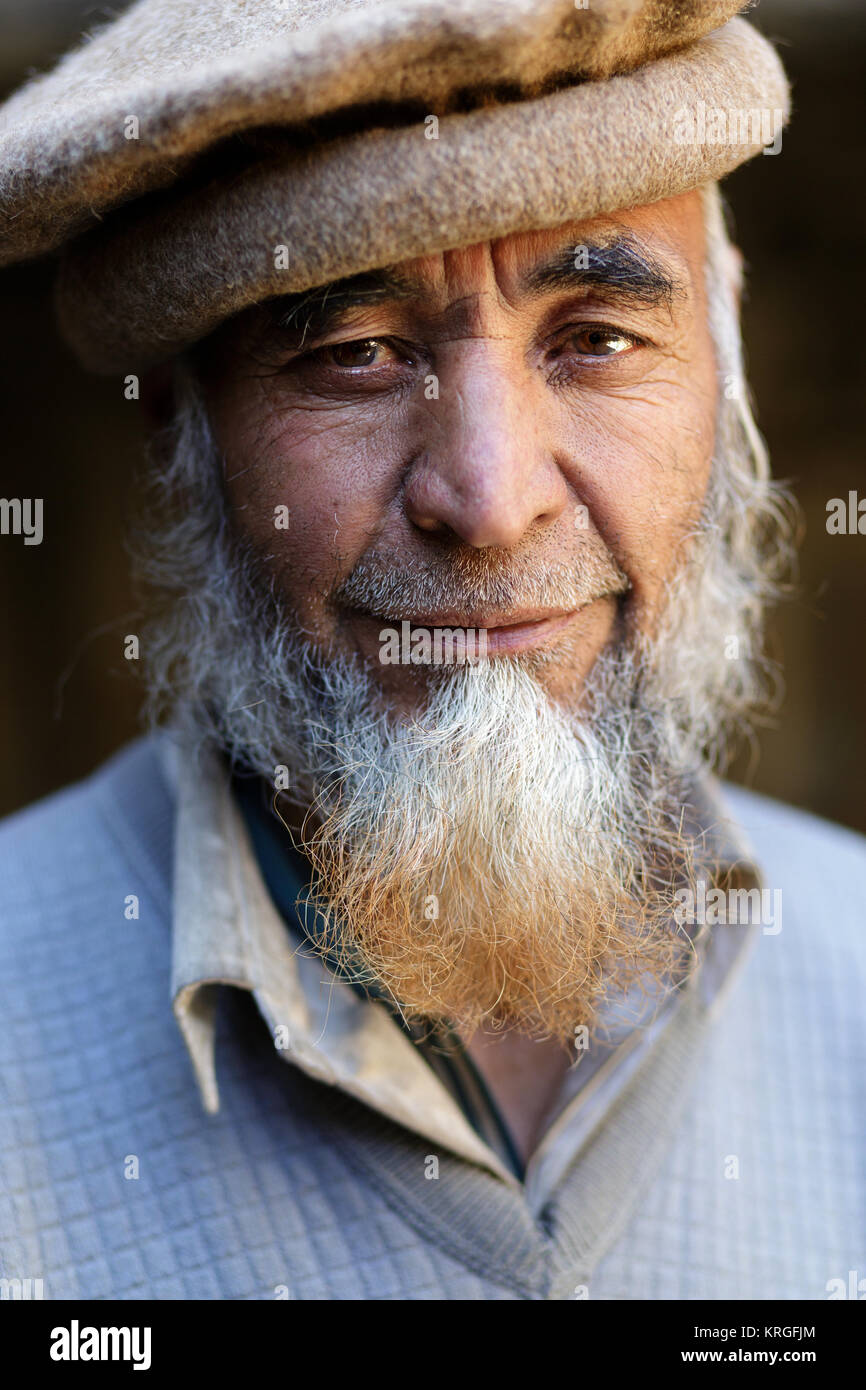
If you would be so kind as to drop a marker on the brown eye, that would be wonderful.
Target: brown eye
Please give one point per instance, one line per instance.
(601, 342)
(361, 353)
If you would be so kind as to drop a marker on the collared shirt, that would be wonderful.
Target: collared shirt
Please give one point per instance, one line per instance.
(228, 931)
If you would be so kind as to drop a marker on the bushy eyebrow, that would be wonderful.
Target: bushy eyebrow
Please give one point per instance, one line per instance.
(311, 314)
(621, 266)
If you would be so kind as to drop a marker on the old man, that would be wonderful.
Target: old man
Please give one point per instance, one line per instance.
(417, 952)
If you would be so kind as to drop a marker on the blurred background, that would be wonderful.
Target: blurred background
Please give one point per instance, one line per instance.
(67, 696)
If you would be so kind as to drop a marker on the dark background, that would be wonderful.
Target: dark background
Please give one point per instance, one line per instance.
(67, 696)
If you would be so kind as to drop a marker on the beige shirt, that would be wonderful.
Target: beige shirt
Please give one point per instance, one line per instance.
(227, 931)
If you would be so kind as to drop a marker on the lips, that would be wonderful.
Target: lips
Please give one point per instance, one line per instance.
(504, 632)
(520, 636)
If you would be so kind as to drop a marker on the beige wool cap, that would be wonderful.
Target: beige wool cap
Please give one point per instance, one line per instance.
(194, 157)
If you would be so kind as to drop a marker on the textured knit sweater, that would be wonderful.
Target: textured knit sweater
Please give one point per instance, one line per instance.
(239, 1156)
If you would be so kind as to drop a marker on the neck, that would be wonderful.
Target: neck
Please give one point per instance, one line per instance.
(524, 1075)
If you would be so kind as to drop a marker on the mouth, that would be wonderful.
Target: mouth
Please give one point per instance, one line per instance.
(489, 633)
(510, 632)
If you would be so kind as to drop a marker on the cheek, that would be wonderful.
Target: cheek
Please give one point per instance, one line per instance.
(643, 468)
(310, 489)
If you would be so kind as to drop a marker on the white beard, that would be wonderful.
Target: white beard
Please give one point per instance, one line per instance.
(493, 860)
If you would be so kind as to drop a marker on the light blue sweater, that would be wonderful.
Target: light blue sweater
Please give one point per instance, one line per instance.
(734, 1168)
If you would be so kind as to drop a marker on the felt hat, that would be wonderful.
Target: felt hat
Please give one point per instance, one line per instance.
(194, 157)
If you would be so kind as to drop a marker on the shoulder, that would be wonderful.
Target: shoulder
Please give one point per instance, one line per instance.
(61, 856)
(817, 868)
(802, 843)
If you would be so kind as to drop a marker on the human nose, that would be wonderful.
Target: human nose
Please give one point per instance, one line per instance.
(487, 471)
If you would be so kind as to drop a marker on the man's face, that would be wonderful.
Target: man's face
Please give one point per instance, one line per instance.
(515, 436)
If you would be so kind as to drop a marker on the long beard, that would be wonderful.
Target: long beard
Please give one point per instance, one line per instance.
(492, 861)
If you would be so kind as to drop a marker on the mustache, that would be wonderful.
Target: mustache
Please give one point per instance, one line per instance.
(469, 580)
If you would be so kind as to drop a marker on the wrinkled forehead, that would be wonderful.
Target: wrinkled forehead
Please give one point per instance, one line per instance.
(652, 249)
